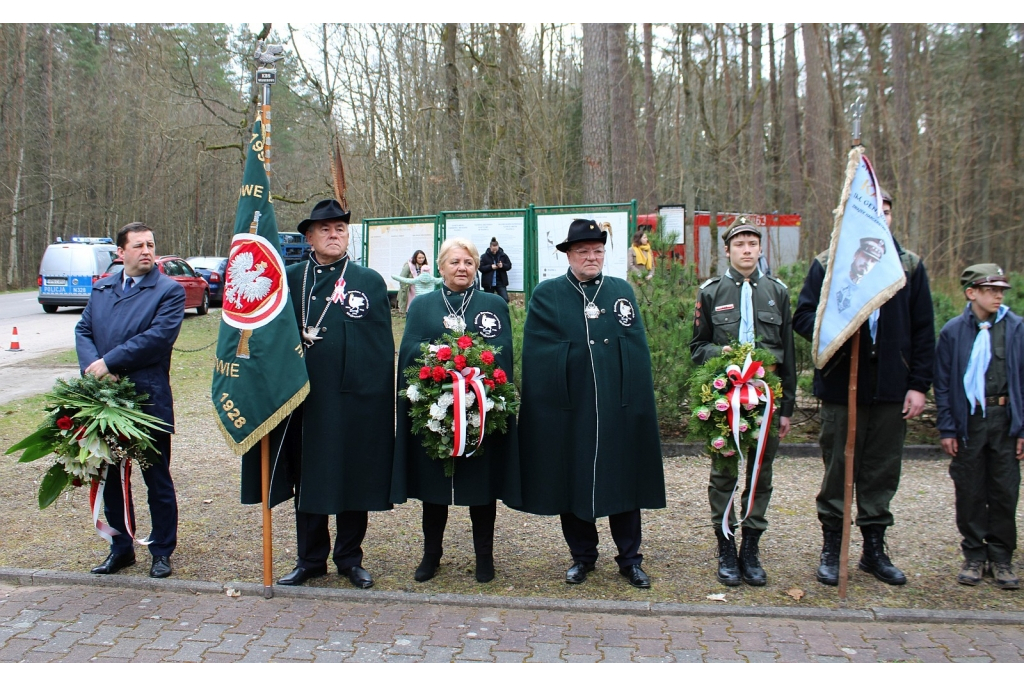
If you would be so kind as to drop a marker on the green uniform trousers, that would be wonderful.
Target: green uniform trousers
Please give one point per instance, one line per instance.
(986, 477)
(877, 462)
(721, 484)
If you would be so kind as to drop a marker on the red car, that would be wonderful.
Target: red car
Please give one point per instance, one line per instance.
(197, 290)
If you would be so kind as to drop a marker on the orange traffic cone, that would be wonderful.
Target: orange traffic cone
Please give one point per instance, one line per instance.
(15, 345)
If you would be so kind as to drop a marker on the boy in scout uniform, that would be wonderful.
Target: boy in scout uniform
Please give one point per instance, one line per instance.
(745, 305)
(979, 395)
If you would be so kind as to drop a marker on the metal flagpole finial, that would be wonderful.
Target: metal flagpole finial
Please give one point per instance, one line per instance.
(266, 57)
(857, 109)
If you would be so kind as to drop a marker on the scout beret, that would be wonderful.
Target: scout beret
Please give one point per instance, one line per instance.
(581, 230)
(983, 274)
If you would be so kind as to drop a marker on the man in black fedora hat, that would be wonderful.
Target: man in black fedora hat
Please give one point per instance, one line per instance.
(588, 428)
(340, 441)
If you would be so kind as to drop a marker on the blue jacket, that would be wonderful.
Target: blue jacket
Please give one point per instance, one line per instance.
(906, 341)
(133, 332)
(951, 356)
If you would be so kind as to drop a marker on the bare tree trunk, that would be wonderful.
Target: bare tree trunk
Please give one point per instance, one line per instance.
(623, 131)
(453, 117)
(792, 159)
(757, 189)
(48, 152)
(596, 142)
(20, 99)
(775, 140)
(816, 147)
(903, 121)
(650, 194)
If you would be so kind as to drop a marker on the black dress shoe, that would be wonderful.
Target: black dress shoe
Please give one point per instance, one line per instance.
(300, 575)
(161, 567)
(577, 573)
(358, 576)
(115, 562)
(636, 576)
(484, 568)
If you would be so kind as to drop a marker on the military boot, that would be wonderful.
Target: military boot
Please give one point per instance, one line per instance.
(728, 565)
(1003, 575)
(750, 564)
(828, 571)
(874, 560)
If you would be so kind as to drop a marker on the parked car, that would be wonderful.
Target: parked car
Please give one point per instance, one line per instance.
(197, 290)
(212, 269)
(294, 247)
(68, 270)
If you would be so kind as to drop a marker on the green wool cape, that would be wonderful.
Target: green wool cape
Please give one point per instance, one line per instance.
(478, 479)
(588, 428)
(344, 431)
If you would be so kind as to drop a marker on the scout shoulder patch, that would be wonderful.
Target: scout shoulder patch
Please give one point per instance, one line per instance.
(624, 311)
(488, 324)
(356, 304)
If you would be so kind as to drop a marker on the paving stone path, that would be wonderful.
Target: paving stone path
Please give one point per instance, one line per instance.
(97, 624)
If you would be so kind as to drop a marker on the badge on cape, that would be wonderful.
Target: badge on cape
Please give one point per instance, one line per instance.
(488, 324)
(624, 311)
(356, 304)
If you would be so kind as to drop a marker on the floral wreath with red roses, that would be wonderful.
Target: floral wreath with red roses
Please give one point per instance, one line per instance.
(457, 396)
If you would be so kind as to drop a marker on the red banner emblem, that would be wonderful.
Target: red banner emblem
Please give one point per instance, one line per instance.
(255, 290)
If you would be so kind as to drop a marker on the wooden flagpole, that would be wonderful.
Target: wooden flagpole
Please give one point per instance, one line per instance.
(266, 75)
(851, 422)
(851, 444)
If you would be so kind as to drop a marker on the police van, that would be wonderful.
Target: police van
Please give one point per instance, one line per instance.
(69, 269)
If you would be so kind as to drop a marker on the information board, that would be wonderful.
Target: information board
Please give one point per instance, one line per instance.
(509, 232)
(355, 243)
(552, 229)
(673, 222)
(392, 245)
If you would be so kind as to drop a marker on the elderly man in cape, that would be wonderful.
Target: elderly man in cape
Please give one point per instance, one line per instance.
(337, 447)
(588, 429)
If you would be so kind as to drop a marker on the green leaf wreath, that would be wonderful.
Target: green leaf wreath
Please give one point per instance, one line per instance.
(429, 391)
(89, 423)
(709, 406)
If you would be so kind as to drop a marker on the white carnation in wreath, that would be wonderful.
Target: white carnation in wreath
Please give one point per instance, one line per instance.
(412, 393)
(445, 400)
(436, 412)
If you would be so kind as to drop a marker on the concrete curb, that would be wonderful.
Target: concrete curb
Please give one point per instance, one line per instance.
(23, 576)
(805, 449)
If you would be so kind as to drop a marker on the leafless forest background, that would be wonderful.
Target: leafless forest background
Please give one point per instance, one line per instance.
(102, 124)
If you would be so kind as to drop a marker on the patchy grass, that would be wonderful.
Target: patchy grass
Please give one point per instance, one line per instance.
(219, 539)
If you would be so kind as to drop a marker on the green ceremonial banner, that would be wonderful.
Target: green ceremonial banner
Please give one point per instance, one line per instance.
(259, 376)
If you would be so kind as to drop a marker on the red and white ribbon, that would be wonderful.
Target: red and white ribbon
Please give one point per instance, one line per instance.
(95, 502)
(338, 296)
(471, 379)
(747, 390)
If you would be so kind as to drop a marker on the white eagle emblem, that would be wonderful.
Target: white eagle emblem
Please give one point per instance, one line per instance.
(245, 282)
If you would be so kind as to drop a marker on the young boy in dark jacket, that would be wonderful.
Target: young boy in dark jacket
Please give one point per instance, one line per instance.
(979, 393)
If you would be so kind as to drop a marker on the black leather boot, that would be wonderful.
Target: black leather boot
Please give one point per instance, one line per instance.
(728, 565)
(874, 560)
(750, 564)
(484, 568)
(428, 567)
(828, 571)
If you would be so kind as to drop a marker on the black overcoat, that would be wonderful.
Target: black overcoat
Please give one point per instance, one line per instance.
(477, 480)
(588, 428)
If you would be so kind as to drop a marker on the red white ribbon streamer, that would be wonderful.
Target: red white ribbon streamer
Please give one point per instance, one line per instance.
(338, 296)
(472, 378)
(95, 501)
(745, 391)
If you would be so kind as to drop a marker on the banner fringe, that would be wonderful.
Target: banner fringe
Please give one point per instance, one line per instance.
(874, 303)
(240, 448)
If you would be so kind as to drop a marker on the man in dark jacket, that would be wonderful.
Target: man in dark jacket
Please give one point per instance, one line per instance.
(128, 329)
(588, 427)
(494, 268)
(897, 350)
(979, 394)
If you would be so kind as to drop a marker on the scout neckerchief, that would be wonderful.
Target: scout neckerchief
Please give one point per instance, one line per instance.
(310, 334)
(977, 366)
(455, 320)
(590, 310)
